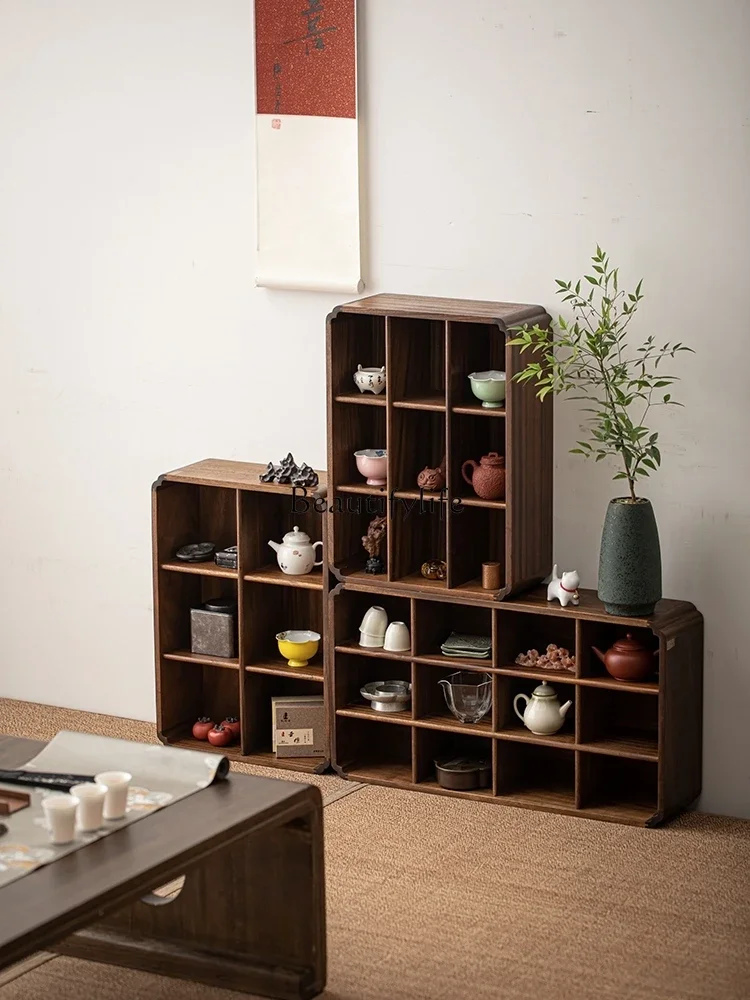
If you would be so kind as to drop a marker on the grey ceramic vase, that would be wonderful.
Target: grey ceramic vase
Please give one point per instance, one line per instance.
(630, 560)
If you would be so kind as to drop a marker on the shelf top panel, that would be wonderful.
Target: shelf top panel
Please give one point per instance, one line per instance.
(428, 307)
(534, 601)
(232, 475)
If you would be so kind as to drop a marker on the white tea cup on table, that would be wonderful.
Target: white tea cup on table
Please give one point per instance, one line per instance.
(116, 798)
(90, 805)
(60, 814)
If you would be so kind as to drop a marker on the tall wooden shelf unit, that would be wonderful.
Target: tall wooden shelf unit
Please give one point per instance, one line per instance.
(225, 502)
(627, 752)
(426, 412)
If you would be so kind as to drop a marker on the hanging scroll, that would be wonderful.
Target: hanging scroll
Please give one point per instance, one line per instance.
(307, 145)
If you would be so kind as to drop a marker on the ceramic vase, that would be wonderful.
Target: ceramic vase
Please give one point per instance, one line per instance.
(630, 559)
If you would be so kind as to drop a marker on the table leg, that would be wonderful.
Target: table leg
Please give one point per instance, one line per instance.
(250, 917)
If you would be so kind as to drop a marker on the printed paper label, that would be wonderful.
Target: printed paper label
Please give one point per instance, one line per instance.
(294, 737)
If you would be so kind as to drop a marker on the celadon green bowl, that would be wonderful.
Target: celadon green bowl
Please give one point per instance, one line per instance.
(489, 387)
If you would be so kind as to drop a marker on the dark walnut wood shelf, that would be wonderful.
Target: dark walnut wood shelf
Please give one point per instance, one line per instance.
(280, 668)
(199, 569)
(225, 502)
(361, 398)
(185, 656)
(273, 575)
(433, 401)
(266, 758)
(429, 414)
(477, 410)
(627, 752)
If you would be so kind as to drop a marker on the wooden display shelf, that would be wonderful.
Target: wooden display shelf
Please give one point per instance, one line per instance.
(185, 656)
(273, 574)
(199, 569)
(476, 409)
(432, 401)
(225, 502)
(280, 668)
(627, 752)
(307, 765)
(361, 398)
(428, 414)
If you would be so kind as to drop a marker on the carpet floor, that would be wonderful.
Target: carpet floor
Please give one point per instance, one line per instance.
(431, 898)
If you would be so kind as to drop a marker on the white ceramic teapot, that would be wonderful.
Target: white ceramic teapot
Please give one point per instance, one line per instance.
(543, 714)
(295, 554)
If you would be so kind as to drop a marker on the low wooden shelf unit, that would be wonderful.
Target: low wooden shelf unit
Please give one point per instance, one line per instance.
(225, 502)
(627, 752)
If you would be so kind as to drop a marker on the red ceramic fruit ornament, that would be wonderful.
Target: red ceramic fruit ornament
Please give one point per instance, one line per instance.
(628, 659)
(202, 728)
(219, 736)
(233, 725)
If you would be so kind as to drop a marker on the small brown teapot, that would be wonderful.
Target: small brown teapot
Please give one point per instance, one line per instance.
(487, 478)
(628, 659)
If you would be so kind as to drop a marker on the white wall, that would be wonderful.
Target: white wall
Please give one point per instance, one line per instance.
(501, 140)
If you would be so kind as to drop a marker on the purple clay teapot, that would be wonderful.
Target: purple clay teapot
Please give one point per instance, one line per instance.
(487, 478)
(628, 659)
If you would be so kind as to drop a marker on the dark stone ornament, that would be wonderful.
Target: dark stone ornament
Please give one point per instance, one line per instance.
(197, 552)
(305, 476)
(375, 565)
(630, 559)
(288, 472)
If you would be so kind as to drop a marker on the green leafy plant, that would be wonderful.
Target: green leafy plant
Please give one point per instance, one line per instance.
(589, 355)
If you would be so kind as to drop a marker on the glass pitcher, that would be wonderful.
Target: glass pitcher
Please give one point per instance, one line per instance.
(468, 694)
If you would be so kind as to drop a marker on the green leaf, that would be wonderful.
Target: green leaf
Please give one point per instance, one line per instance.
(667, 397)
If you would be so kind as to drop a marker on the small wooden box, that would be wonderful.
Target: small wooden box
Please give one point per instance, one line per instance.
(12, 801)
(298, 726)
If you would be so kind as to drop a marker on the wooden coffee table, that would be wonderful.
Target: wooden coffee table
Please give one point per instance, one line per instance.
(251, 913)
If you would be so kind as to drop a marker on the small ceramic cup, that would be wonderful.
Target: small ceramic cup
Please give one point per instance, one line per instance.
(372, 464)
(116, 797)
(375, 622)
(370, 641)
(90, 805)
(60, 814)
(397, 638)
(489, 387)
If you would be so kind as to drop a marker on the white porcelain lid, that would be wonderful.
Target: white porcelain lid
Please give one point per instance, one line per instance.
(544, 691)
(296, 537)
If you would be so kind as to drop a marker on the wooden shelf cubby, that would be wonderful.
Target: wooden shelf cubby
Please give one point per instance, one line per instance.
(225, 502)
(628, 753)
(427, 414)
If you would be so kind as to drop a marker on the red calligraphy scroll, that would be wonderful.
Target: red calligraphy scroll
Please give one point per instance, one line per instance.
(305, 58)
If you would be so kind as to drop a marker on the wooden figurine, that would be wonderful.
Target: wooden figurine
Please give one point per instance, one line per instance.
(432, 480)
(371, 543)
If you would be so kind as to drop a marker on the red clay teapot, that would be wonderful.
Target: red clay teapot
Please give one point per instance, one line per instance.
(628, 659)
(487, 478)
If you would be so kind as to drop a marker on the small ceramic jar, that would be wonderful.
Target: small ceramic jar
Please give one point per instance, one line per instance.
(370, 379)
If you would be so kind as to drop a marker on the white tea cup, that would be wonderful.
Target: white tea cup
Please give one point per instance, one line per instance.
(374, 622)
(371, 641)
(60, 814)
(116, 798)
(397, 638)
(90, 805)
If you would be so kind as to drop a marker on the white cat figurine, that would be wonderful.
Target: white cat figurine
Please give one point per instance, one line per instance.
(564, 588)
